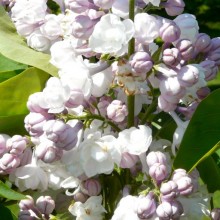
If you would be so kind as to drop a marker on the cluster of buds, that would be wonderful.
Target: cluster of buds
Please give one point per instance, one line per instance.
(42, 209)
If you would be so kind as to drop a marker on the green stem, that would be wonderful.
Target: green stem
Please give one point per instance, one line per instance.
(91, 117)
(131, 50)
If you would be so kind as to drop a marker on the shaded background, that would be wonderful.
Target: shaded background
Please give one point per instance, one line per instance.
(207, 13)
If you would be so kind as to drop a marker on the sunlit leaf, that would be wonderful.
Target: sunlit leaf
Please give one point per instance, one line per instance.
(15, 48)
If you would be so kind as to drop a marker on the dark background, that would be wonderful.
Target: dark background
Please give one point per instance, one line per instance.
(207, 13)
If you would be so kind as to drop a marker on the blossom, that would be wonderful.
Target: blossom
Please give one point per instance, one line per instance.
(90, 210)
(135, 140)
(111, 35)
(153, 2)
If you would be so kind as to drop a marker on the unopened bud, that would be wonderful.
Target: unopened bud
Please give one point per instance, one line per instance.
(45, 205)
(158, 172)
(16, 144)
(174, 7)
(8, 163)
(93, 187)
(169, 32)
(171, 56)
(26, 204)
(156, 157)
(215, 214)
(203, 43)
(169, 191)
(185, 48)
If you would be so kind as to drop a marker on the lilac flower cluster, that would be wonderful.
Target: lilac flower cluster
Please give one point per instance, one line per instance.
(78, 125)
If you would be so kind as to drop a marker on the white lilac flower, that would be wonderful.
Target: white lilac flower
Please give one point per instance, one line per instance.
(30, 176)
(121, 8)
(111, 35)
(126, 209)
(146, 28)
(92, 209)
(135, 140)
(99, 154)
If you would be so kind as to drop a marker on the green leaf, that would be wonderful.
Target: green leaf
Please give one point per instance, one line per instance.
(8, 193)
(15, 48)
(8, 65)
(202, 134)
(210, 174)
(5, 213)
(14, 209)
(14, 94)
(216, 199)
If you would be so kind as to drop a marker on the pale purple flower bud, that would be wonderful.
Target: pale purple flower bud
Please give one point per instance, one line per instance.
(16, 144)
(171, 90)
(156, 157)
(169, 210)
(146, 206)
(26, 157)
(79, 6)
(174, 7)
(3, 140)
(169, 191)
(171, 56)
(33, 103)
(76, 99)
(141, 62)
(26, 204)
(169, 32)
(210, 69)
(103, 104)
(26, 215)
(117, 111)
(80, 197)
(35, 121)
(8, 163)
(188, 75)
(183, 181)
(185, 48)
(188, 111)
(104, 4)
(45, 204)
(215, 214)
(214, 56)
(93, 187)
(82, 27)
(203, 92)
(128, 160)
(158, 172)
(166, 106)
(48, 152)
(62, 134)
(203, 43)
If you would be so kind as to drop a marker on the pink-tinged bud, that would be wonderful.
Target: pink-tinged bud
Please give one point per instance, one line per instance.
(215, 214)
(211, 69)
(203, 92)
(82, 27)
(80, 197)
(76, 99)
(104, 4)
(93, 187)
(188, 75)
(183, 181)
(158, 172)
(35, 121)
(8, 163)
(185, 48)
(141, 63)
(62, 134)
(3, 140)
(45, 205)
(156, 157)
(26, 204)
(16, 145)
(33, 103)
(203, 43)
(146, 206)
(103, 104)
(117, 111)
(128, 160)
(169, 191)
(169, 210)
(166, 106)
(169, 32)
(174, 7)
(171, 57)
(48, 152)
